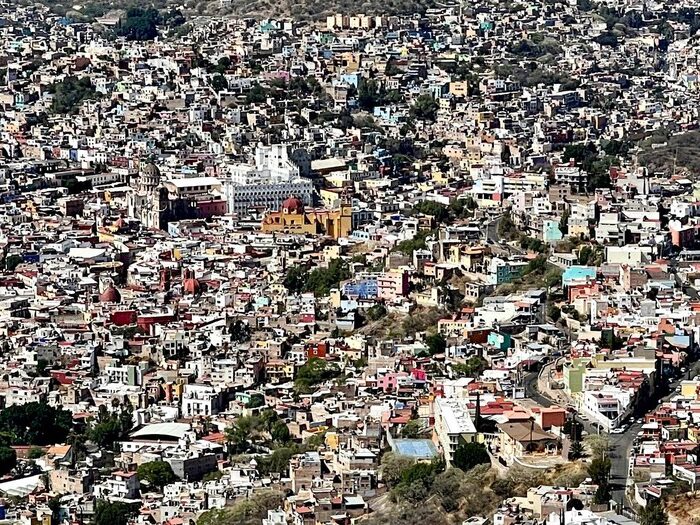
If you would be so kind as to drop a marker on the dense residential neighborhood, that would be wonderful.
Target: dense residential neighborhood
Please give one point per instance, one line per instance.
(439, 267)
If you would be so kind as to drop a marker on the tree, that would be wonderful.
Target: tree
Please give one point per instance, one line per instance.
(8, 460)
(653, 514)
(436, 343)
(576, 450)
(70, 92)
(255, 401)
(599, 471)
(239, 331)
(469, 455)
(278, 461)
(598, 444)
(158, 474)
(54, 505)
(140, 24)
(418, 242)
(368, 94)
(249, 511)
(214, 475)
(417, 480)
(256, 95)
(280, 432)
(106, 433)
(473, 367)
(111, 427)
(553, 312)
(242, 432)
(564, 222)
(505, 155)
(585, 255)
(219, 83)
(392, 467)
(506, 227)
(425, 108)
(35, 453)
(114, 513)
(35, 424)
(435, 209)
(376, 312)
(321, 280)
(448, 487)
(314, 372)
(391, 68)
(413, 429)
(295, 280)
(12, 261)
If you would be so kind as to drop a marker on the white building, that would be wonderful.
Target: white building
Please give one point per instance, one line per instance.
(273, 178)
(199, 400)
(453, 424)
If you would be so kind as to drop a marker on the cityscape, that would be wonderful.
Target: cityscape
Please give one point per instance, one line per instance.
(325, 263)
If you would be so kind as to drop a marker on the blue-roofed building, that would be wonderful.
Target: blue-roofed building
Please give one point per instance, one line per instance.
(418, 449)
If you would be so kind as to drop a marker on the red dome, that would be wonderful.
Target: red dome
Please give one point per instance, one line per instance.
(292, 205)
(110, 295)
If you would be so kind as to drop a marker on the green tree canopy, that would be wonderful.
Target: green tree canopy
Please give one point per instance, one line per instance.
(320, 280)
(469, 455)
(114, 513)
(436, 343)
(314, 372)
(35, 424)
(111, 427)
(219, 83)
(140, 24)
(8, 460)
(653, 514)
(413, 429)
(425, 108)
(249, 511)
(280, 432)
(158, 474)
(70, 92)
(376, 312)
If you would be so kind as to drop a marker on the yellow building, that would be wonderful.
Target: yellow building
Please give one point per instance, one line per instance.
(292, 218)
(690, 389)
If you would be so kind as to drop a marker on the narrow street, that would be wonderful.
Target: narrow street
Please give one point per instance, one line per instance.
(621, 444)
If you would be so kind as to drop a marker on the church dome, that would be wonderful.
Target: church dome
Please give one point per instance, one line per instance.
(110, 295)
(149, 176)
(292, 205)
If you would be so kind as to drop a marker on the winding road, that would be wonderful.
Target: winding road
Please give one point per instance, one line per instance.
(620, 444)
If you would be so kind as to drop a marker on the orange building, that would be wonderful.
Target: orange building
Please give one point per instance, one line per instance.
(292, 218)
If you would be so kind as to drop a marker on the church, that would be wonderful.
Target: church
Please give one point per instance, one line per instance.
(150, 202)
(293, 218)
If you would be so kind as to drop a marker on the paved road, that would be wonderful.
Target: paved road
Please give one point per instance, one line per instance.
(621, 444)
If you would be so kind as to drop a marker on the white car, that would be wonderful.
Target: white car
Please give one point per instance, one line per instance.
(620, 430)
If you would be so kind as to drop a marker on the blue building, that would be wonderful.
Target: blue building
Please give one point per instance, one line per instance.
(363, 288)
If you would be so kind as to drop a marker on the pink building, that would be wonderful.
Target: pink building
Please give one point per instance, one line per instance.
(392, 285)
(390, 381)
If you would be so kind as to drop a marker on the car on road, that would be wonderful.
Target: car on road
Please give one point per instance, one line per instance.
(620, 430)
(640, 420)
